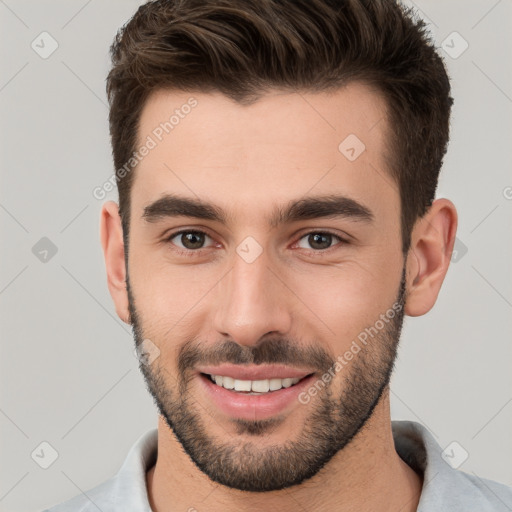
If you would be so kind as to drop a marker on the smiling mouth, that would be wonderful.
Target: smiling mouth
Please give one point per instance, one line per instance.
(253, 387)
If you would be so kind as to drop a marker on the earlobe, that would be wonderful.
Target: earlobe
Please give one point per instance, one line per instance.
(429, 256)
(111, 235)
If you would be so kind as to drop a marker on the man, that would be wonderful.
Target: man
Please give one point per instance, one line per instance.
(277, 163)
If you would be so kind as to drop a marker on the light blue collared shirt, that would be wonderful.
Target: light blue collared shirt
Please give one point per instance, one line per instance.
(444, 488)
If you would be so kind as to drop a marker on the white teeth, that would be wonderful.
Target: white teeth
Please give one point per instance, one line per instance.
(228, 382)
(275, 384)
(287, 383)
(260, 386)
(255, 386)
(242, 385)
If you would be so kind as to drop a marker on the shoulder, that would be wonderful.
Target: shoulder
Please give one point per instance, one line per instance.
(489, 490)
(458, 491)
(99, 498)
(126, 491)
(444, 486)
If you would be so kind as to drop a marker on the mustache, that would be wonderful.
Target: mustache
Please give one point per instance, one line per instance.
(269, 351)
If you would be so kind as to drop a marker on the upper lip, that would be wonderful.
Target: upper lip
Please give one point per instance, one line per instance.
(255, 372)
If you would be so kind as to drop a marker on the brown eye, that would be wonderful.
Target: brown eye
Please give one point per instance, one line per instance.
(319, 240)
(191, 240)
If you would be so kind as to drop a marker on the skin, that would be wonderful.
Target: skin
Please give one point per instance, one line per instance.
(247, 160)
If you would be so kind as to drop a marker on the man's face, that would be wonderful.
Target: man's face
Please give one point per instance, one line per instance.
(263, 293)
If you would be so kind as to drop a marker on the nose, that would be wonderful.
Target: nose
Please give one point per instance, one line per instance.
(252, 302)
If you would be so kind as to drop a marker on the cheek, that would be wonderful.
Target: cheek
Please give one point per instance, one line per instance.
(327, 302)
(163, 285)
(343, 301)
(169, 298)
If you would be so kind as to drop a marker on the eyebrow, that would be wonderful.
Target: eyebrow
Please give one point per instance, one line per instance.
(314, 207)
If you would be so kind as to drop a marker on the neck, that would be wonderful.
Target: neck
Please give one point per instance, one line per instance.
(366, 475)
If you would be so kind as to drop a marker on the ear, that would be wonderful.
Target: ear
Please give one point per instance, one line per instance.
(111, 234)
(429, 256)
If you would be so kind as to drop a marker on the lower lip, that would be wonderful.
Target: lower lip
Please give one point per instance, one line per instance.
(254, 407)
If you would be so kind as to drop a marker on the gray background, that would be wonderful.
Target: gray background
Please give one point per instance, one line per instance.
(68, 373)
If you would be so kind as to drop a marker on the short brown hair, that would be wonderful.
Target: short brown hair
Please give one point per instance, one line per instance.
(242, 48)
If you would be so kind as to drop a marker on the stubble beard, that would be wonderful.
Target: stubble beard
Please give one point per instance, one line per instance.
(333, 421)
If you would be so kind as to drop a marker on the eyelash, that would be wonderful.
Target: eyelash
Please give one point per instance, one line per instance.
(191, 252)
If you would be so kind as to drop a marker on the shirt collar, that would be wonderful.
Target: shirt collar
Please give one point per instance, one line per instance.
(444, 488)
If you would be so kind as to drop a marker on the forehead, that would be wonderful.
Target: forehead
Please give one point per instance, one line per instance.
(283, 145)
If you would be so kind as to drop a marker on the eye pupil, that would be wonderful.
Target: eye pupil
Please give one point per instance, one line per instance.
(315, 240)
(195, 240)
(192, 240)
